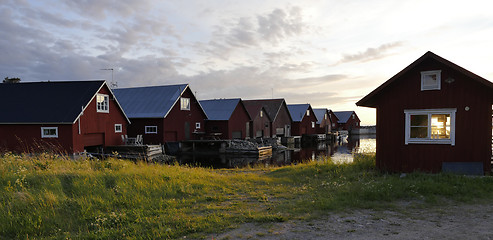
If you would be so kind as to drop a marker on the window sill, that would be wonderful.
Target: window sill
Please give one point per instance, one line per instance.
(430, 141)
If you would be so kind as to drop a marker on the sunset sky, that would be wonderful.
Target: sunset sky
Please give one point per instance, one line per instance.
(326, 53)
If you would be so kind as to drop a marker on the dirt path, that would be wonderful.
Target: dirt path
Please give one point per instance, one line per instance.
(451, 221)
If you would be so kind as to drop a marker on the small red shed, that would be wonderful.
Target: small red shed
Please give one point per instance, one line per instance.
(304, 119)
(167, 113)
(226, 118)
(278, 112)
(433, 115)
(324, 124)
(348, 121)
(66, 117)
(334, 121)
(260, 124)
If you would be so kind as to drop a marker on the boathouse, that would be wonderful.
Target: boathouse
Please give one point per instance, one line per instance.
(161, 114)
(324, 125)
(278, 112)
(334, 121)
(64, 117)
(433, 115)
(348, 121)
(226, 119)
(260, 124)
(304, 119)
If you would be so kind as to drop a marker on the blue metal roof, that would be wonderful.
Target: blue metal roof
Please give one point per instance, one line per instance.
(343, 116)
(219, 109)
(149, 102)
(298, 111)
(46, 102)
(320, 114)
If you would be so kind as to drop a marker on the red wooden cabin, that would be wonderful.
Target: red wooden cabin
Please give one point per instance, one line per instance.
(433, 115)
(278, 112)
(324, 124)
(226, 118)
(162, 114)
(66, 117)
(260, 124)
(304, 119)
(348, 121)
(334, 121)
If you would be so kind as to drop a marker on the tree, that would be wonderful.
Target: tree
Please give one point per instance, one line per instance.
(11, 80)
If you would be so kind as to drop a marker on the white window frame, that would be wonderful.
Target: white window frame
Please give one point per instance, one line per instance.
(308, 112)
(197, 125)
(150, 129)
(104, 105)
(261, 113)
(426, 74)
(185, 104)
(43, 135)
(429, 112)
(313, 124)
(118, 128)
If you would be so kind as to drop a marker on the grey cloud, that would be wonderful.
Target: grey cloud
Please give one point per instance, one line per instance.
(101, 9)
(371, 53)
(245, 32)
(280, 24)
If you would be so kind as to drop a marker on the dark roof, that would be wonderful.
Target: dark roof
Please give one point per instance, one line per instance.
(320, 114)
(298, 111)
(149, 102)
(219, 109)
(370, 101)
(271, 106)
(343, 116)
(45, 102)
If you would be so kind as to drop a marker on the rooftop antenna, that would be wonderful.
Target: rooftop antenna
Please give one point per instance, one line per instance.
(113, 84)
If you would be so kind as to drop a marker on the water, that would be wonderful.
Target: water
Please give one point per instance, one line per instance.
(340, 152)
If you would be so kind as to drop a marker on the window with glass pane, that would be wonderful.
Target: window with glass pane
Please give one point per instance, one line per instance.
(430, 126)
(419, 126)
(185, 103)
(440, 126)
(102, 103)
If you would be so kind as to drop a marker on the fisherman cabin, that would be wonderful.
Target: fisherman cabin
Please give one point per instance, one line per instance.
(61, 117)
(433, 116)
(324, 125)
(226, 119)
(278, 112)
(161, 114)
(348, 121)
(304, 119)
(260, 124)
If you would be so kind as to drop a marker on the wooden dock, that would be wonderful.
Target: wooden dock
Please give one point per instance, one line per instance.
(136, 152)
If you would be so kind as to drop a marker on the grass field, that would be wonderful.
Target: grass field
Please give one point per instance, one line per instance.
(49, 197)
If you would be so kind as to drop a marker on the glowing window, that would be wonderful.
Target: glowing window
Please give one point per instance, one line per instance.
(103, 103)
(185, 103)
(430, 126)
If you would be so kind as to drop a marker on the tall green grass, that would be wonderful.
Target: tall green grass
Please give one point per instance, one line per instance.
(50, 197)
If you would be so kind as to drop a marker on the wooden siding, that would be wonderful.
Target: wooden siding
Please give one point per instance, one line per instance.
(172, 127)
(238, 121)
(472, 133)
(305, 126)
(27, 137)
(177, 118)
(283, 118)
(260, 124)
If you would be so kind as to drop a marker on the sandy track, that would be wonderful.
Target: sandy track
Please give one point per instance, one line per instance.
(450, 221)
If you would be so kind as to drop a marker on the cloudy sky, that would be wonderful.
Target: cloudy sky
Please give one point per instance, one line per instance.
(328, 53)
